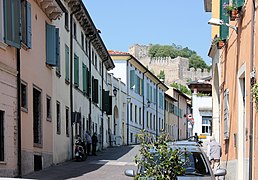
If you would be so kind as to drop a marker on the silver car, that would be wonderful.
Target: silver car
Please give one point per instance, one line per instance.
(197, 165)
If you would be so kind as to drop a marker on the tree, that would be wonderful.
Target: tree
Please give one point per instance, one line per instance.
(181, 88)
(160, 163)
(161, 75)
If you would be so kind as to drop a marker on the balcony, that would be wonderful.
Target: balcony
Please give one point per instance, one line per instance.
(50, 8)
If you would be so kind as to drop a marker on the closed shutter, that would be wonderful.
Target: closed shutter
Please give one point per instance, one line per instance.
(226, 114)
(148, 91)
(76, 71)
(87, 81)
(138, 82)
(29, 32)
(95, 95)
(12, 20)
(67, 63)
(107, 102)
(224, 29)
(142, 87)
(51, 45)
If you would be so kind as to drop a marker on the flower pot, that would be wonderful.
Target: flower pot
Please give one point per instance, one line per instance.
(220, 44)
(233, 14)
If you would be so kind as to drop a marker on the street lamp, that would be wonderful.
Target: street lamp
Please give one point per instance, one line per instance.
(128, 107)
(219, 22)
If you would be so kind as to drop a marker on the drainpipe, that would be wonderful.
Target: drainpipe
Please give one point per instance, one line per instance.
(178, 130)
(251, 95)
(71, 72)
(91, 37)
(157, 117)
(143, 101)
(18, 55)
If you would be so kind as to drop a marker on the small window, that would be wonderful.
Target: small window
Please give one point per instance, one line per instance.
(1, 135)
(58, 118)
(66, 21)
(26, 23)
(49, 108)
(67, 121)
(135, 113)
(24, 104)
(86, 46)
(74, 31)
(82, 40)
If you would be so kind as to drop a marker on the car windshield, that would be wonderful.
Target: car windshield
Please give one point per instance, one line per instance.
(194, 163)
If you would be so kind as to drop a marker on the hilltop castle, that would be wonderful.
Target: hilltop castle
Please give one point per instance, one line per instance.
(176, 70)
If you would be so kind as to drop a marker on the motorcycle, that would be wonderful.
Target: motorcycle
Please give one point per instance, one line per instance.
(80, 150)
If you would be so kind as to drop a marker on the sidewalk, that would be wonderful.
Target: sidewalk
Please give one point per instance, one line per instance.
(122, 156)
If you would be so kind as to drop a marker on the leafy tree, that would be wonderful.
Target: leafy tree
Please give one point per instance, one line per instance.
(161, 75)
(181, 88)
(197, 62)
(164, 163)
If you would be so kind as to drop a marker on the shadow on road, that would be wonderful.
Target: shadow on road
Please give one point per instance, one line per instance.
(73, 169)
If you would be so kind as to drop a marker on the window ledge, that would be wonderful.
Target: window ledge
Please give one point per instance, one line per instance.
(3, 45)
(3, 163)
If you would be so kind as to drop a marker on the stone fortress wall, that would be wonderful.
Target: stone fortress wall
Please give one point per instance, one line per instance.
(176, 70)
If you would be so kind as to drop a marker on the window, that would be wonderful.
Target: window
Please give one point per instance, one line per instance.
(58, 118)
(166, 105)
(24, 102)
(140, 115)
(82, 40)
(1, 22)
(132, 81)
(66, 21)
(154, 122)
(151, 121)
(148, 119)
(85, 78)
(74, 31)
(206, 124)
(95, 90)
(48, 108)
(26, 22)
(131, 111)
(52, 46)
(135, 114)
(76, 71)
(96, 61)
(67, 121)
(37, 132)
(12, 16)
(86, 46)
(131, 137)
(67, 63)
(1, 135)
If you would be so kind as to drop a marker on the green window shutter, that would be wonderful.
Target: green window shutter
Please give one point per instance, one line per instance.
(142, 87)
(138, 82)
(239, 3)
(29, 32)
(87, 81)
(57, 51)
(67, 63)
(12, 19)
(95, 91)
(51, 45)
(76, 71)
(84, 77)
(107, 102)
(151, 95)
(155, 94)
(148, 91)
(132, 78)
(223, 29)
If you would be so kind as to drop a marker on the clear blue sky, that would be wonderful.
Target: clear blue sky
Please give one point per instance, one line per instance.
(127, 22)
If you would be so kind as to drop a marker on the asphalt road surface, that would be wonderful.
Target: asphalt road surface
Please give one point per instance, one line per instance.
(109, 164)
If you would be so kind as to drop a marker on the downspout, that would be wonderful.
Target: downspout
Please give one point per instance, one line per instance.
(71, 72)
(92, 37)
(157, 117)
(251, 95)
(143, 101)
(178, 129)
(18, 55)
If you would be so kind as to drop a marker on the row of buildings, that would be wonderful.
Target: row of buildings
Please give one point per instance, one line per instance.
(57, 80)
(234, 85)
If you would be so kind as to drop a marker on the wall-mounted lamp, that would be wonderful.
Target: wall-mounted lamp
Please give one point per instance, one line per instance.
(219, 22)
(115, 91)
(148, 102)
(128, 99)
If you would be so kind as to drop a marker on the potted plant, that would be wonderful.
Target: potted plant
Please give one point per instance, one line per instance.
(231, 10)
(217, 41)
(255, 94)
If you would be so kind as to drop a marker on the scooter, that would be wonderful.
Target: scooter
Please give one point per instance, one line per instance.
(80, 150)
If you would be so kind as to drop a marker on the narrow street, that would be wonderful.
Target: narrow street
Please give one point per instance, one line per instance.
(108, 164)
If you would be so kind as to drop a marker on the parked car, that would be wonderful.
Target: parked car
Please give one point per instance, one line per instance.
(197, 165)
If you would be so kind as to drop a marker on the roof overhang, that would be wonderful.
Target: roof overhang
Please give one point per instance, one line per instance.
(51, 8)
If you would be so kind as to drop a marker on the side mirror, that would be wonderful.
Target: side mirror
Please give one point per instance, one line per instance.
(129, 172)
(220, 172)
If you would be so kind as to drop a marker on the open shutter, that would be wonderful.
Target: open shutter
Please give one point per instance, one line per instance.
(84, 77)
(12, 21)
(239, 3)
(51, 45)
(57, 51)
(67, 63)
(224, 29)
(132, 79)
(76, 71)
(29, 33)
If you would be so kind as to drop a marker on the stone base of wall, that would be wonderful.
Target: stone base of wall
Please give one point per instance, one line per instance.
(231, 167)
(8, 172)
(28, 161)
